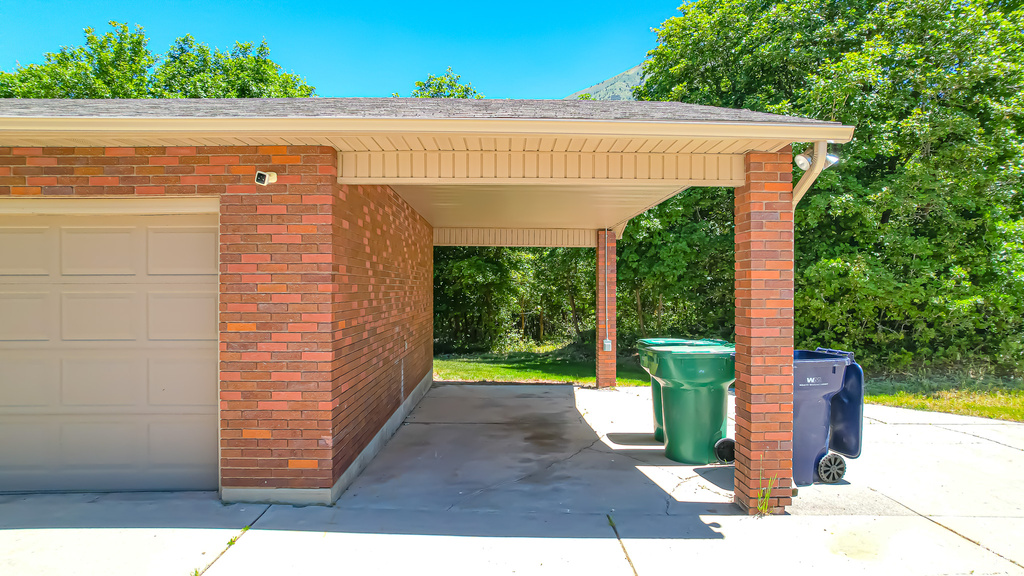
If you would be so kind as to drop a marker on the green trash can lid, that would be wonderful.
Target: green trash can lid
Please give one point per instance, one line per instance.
(705, 350)
(659, 342)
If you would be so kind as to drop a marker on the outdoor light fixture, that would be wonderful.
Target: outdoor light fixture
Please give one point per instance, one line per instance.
(804, 161)
(813, 160)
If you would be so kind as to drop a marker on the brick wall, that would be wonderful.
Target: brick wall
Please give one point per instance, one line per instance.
(384, 312)
(127, 171)
(322, 289)
(276, 322)
(606, 276)
(764, 330)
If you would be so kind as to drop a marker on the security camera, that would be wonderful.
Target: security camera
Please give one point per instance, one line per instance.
(264, 178)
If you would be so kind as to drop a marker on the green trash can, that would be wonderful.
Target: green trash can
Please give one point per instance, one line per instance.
(695, 390)
(646, 349)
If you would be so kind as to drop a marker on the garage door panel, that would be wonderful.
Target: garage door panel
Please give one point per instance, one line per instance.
(28, 381)
(183, 442)
(103, 381)
(99, 315)
(26, 316)
(178, 250)
(25, 251)
(28, 446)
(110, 444)
(108, 351)
(109, 452)
(104, 251)
(183, 380)
(182, 315)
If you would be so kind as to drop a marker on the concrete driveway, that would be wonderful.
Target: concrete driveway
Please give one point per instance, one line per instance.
(514, 479)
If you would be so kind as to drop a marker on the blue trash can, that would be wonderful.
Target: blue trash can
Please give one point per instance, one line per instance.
(828, 400)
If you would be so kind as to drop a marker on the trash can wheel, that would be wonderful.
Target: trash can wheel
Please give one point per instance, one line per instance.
(831, 468)
(725, 450)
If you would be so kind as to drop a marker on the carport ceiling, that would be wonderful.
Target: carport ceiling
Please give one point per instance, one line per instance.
(575, 206)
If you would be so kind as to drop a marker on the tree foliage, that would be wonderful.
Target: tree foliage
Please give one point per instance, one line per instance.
(193, 70)
(119, 64)
(909, 250)
(446, 85)
(474, 296)
(675, 268)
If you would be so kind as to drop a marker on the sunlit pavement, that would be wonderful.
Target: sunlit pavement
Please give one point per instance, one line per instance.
(525, 479)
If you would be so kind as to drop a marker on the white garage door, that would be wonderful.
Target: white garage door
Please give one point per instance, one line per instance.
(108, 351)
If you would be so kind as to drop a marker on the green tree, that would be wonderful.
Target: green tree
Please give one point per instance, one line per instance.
(475, 297)
(909, 250)
(566, 283)
(747, 53)
(119, 64)
(675, 268)
(911, 233)
(445, 86)
(114, 65)
(193, 70)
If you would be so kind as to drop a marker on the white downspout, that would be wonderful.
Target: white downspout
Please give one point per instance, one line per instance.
(817, 165)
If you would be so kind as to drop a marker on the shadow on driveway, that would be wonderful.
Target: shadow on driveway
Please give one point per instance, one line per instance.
(514, 460)
(522, 460)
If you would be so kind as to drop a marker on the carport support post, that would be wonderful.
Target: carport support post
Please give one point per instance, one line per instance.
(605, 308)
(764, 332)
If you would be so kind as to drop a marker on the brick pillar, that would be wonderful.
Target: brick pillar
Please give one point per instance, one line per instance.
(276, 326)
(605, 307)
(764, 331)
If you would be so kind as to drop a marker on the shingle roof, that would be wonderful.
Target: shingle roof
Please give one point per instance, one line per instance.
(426, 108)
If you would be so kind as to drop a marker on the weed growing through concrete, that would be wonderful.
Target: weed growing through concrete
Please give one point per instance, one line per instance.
(764, 495)
(764, 498)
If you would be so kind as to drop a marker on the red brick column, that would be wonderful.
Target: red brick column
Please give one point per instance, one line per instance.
(764, 331)
(276, 321)
(605, 308)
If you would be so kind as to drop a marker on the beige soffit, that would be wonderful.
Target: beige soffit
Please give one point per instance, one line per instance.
(546, 237)
(430, 167)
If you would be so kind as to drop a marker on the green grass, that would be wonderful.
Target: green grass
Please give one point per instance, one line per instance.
(553, 366)
(988, 397)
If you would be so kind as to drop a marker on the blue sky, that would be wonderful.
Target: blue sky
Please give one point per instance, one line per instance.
(526, 49)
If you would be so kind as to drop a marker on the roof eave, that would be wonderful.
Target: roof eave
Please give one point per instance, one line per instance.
(80, 127)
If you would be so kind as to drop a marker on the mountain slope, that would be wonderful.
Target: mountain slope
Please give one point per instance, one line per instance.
(619, 87)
